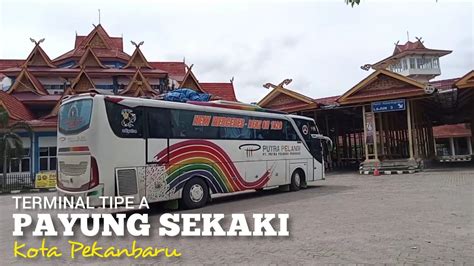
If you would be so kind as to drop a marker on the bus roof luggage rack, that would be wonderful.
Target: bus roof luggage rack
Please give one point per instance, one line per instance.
(235, 105)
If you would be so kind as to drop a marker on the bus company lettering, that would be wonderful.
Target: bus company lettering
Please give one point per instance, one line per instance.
(236, 122)
(279, 150)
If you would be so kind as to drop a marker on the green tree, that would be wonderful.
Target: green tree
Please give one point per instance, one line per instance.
(11, 145)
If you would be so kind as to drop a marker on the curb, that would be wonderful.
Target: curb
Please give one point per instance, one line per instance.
(389, 172)
(455, 160)
(30, 190)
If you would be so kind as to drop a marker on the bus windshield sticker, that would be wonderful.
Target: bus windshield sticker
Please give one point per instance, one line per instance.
(128, 118)
(305, 130)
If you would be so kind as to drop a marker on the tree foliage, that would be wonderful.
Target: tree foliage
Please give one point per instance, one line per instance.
(11, 145)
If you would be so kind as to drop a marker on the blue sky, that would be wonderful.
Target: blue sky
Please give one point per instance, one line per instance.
(319, 44)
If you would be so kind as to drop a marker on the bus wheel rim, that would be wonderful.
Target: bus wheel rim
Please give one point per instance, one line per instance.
(196, 193)
(297, 179)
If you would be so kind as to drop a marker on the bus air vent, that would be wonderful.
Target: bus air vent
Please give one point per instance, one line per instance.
(127, 182)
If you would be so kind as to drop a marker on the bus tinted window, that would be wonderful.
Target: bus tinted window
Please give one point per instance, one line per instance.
(158, 123)
(189, 124)
(126, 122)
(75, 116)
(290, 131)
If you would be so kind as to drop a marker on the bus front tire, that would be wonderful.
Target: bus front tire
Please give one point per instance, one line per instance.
(296, 180)
(195, 194)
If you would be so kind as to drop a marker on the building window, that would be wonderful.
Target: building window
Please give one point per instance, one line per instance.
(435, 63)
(54, 87)
(404, 64)
(47, 158)
(18, 165)
(412, 63)
(419, 63)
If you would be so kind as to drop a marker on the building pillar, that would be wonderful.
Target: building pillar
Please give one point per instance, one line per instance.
(469, 145)
(366, 147)
(451, 146)
(410, 135)
(381, 134)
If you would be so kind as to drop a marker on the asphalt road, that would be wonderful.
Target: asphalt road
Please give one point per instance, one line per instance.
(348, 218)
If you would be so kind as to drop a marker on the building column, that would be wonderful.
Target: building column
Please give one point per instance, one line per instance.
(410, 135)
(375, 138)
(469, 145)
(451, 146)
(382, 135)
(366, 147)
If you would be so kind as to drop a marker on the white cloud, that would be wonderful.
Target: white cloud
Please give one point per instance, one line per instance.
(320, 44)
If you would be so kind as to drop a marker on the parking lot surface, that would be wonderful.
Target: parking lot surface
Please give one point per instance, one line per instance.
(425, 217)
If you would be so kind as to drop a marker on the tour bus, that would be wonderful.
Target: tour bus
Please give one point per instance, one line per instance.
(109, 145)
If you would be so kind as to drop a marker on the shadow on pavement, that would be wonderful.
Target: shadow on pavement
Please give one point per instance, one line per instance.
(244, 201)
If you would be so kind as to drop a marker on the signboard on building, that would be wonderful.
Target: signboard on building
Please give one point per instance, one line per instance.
(45, 180)
(389, 106)
(370, 128)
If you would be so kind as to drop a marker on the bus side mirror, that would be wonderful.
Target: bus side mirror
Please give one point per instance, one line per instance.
(323, 138)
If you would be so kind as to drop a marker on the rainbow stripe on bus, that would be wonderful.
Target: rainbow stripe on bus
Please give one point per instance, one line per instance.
(207, 160)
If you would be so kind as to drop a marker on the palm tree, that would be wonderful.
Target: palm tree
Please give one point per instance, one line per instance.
(11, 145)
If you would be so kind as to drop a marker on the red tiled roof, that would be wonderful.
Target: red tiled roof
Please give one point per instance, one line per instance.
(33, 97)
(49, 122)
(225, 91)
(408, 46)
(176, 70)
(447, 131)
(114, 43)
(327, 100)
(444, 83)
(15, 108)
(7, 63)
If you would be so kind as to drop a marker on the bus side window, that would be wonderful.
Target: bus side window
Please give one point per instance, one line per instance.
(290, 132)
(126, 122)
(158, 123)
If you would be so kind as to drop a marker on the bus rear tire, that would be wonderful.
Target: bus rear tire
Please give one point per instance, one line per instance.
(296, 180)
(195, 194)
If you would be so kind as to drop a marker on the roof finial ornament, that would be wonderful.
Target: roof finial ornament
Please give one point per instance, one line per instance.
(36, 42)
(99, 15)
(396, 43)
(184, 59)
(284, 82)
(137, 45)
(366, 67)
(419, 39)
(408, 36)
(232, 80)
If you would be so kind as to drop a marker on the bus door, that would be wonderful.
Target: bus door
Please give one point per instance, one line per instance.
(157, 153)
(157, 138)
(307, 129)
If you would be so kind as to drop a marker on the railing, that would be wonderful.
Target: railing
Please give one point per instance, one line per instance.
(16, 181)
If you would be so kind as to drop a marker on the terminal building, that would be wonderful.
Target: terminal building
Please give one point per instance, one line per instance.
(396, 119)
(31, 88)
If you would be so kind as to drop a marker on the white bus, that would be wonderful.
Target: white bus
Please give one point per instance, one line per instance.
(124, 146)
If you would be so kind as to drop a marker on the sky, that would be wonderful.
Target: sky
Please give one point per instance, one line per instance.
(319, 44)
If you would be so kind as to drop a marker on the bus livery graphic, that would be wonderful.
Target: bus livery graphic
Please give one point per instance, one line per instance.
(207, 160)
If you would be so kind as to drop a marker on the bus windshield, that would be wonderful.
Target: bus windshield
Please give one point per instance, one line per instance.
(75, 116)
(308, 129)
